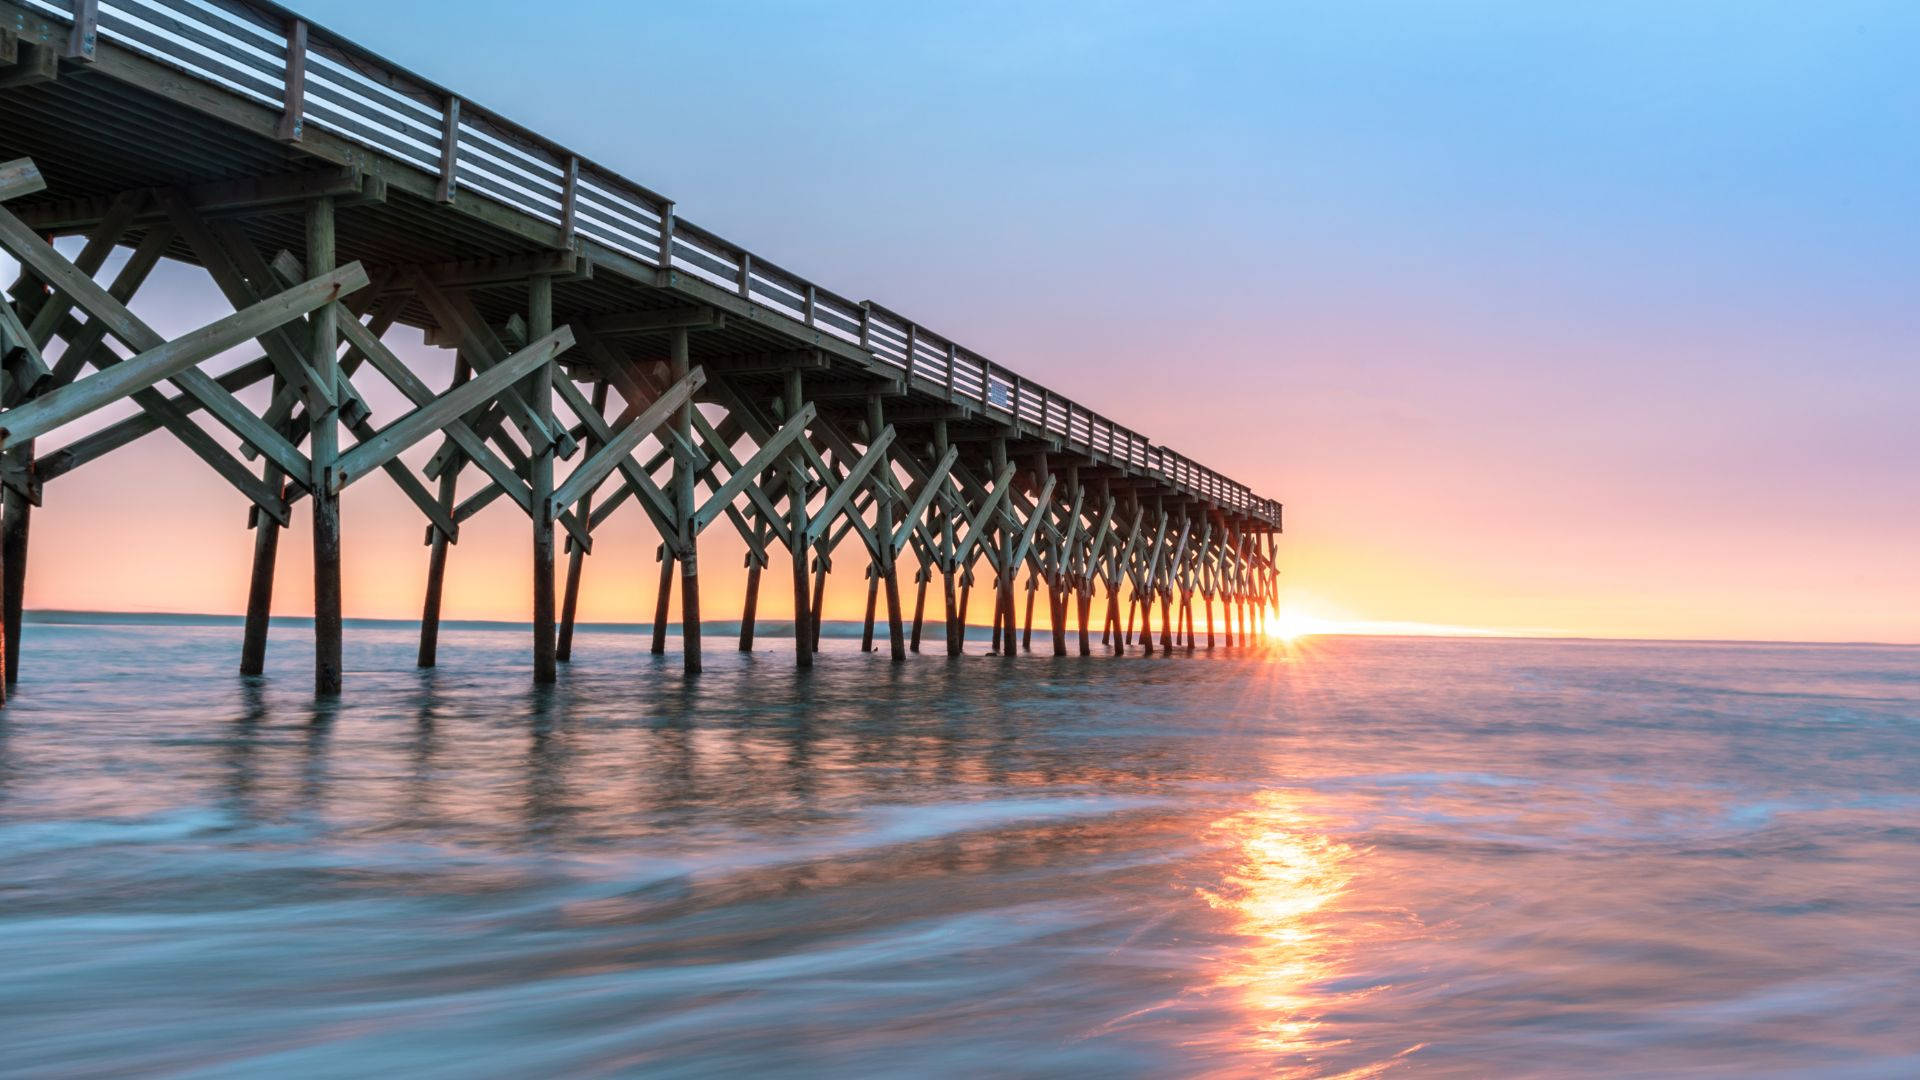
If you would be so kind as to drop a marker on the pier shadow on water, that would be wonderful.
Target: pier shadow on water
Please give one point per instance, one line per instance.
(1347, 857)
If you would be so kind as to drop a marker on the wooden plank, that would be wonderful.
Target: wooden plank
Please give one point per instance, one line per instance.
(57, 463)
(934, 481)
(484, 349)
(849, 484)
(614, 450)
(745, 474)
(32, 251)
(170, 358)
(84, 37)
(1033, 523)
(20, 177)
(37, 64)
(222, 256)
(423, 421)
(215, 199)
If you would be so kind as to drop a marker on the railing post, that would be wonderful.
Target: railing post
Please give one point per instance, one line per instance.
(666, 234)
(85, 35)
(569, 201)
(746, 275)
(293, 109)
(449, 151)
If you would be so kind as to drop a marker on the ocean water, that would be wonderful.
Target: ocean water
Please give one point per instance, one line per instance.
(1348, 857)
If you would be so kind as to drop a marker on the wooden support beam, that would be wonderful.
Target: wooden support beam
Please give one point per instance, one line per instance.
(36, 63)
(577, 553)
(20, 177)
(540, 486)
(32, 251)
(629, 435)
(743, 476)
(218, 199)
(684, 467)
(170, 358)
(837, 500)
(484, 349)
(323, 440)
(653, 322)
(427, 419)
(438, 542)
(797, 527)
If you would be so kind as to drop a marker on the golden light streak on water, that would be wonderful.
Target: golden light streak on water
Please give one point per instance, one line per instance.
(1281, 893)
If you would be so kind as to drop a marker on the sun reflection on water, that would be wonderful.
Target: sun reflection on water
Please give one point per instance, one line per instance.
(1281, 896)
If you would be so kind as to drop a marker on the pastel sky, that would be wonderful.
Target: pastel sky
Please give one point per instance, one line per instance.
(1590, 319)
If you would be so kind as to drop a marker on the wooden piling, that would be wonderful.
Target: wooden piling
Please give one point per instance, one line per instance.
(437, 544)
(797, 527)
(266, 554)
(680, 364)
(819, 602)
(576, 552)
(873, 593)
(661, 602)
(324, 447)
(750, 609)
(539, 325)
(13, 551)
(920, 581)
(1026, 630)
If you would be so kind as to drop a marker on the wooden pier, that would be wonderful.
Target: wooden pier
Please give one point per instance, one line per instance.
(611, 357)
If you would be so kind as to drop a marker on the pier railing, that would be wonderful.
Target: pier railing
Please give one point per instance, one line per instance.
(276, 58)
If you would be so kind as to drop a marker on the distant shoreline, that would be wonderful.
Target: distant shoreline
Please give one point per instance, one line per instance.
(934, 630)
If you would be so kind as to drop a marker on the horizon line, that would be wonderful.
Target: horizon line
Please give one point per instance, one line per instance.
(771, 628)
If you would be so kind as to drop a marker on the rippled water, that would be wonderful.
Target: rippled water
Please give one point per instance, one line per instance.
(1348, 858)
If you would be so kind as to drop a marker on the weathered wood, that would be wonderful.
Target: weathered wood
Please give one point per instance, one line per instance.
(681, 371)
(323, 441)
(20, 177)
(294, 93)
(266, 555)
(37, 254)
(395, 438)
(169, 359)
(611, 454)
(663, 598)
(438, 541)
(216, 199)
(849, 484)
(540, 486)
(84, 36)
(577, 553)
(797, 527)
(743, 475)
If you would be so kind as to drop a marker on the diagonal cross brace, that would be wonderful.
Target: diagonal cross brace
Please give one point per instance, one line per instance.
(617, 449)
(32, 251)
(744, 475)
(423, 421)
(876, 452)
(171, 358)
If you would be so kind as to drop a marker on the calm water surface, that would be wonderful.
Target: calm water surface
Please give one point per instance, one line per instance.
(1353, 857)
